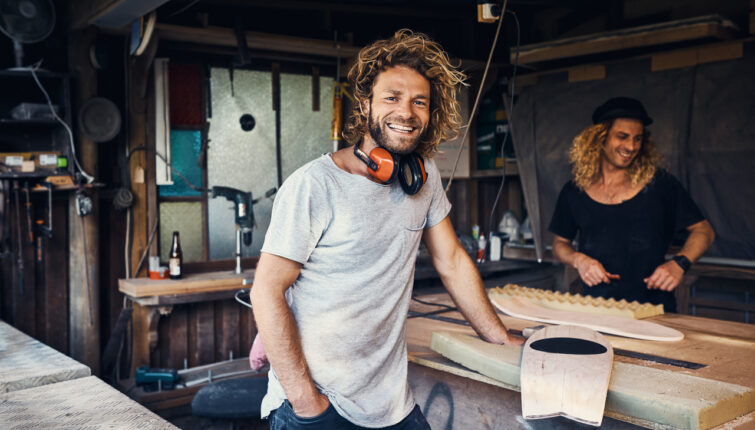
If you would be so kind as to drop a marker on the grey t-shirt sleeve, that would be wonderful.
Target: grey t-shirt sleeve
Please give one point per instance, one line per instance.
(439, 205)
(297, 219)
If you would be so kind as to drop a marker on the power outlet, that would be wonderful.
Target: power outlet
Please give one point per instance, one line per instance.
(83, 205)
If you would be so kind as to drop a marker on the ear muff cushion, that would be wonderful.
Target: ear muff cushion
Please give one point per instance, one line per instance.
(412, 173)
(386, 171)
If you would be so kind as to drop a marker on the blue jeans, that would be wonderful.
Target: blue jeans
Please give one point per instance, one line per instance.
(284, 418)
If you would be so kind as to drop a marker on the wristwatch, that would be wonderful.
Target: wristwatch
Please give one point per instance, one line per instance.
(683, 262)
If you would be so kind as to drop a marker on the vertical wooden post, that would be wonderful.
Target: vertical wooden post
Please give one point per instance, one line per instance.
(84, 315)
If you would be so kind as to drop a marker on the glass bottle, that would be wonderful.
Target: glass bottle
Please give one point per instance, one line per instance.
(176, 258)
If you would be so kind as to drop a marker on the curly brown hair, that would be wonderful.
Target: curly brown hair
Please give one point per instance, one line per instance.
(418, 52)
(587, 149)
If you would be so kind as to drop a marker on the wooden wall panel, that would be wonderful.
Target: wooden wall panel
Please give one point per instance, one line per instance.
(203, 333)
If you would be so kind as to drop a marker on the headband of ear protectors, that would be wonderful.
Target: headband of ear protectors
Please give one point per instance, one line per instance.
(386, 166)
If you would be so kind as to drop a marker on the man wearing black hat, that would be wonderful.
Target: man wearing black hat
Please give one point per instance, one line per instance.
(626, 211)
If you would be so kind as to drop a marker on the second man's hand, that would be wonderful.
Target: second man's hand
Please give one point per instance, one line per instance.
(665, 277)
(591, 271)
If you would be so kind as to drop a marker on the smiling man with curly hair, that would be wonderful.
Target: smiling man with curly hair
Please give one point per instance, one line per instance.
(626, 210)
(343, 241)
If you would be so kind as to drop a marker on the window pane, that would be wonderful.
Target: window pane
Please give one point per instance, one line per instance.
(237, 158)
(185, 218)
(246, 160)
(184, 151)
(305, 134)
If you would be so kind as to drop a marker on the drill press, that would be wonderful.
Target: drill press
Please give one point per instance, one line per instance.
(244, 215)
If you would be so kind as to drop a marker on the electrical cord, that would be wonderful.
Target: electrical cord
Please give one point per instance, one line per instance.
(32, 69)
(477, 98)
(442, 305)
(510, 117)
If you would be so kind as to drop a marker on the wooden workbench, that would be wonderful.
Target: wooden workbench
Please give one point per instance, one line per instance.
(79, 403)
(155, 298)
(26, 362)
(727, 349)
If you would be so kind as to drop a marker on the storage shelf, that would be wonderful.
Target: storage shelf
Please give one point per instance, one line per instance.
(25, 123)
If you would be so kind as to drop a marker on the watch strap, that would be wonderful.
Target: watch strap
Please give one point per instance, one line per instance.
(683, 262)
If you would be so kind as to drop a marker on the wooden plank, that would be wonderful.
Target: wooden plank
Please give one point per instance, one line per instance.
(565, 372)
(178, 347)
(719, 52)
(189, 284)
(227, 327)
(202, 346)
(25, 362)
(81, 403)
(591, 72)
(673, 399)
(220, 36)
(712, 26)
(673, 60)
(84, 256)
(521, 308)
(693, 56)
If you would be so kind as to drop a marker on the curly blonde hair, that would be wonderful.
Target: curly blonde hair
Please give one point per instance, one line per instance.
(586, 153)
(415, 51)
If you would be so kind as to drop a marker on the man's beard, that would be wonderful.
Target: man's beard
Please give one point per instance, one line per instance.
(377, 134)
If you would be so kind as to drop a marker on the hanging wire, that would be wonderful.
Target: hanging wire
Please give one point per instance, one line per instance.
(510, 116)
(477, 98)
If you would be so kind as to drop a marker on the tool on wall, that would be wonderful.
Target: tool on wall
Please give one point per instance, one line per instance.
(29, 229)
(244, 215)
(20, 249)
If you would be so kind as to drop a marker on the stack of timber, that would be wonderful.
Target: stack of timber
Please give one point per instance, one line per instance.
(650, 396)
(579, 303)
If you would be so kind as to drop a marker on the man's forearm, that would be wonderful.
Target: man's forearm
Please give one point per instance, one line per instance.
(701, 236)
(465, 286)
(565, 253)
(280, 336)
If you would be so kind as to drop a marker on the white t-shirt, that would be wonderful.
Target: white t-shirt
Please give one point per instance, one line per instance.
(357, 241)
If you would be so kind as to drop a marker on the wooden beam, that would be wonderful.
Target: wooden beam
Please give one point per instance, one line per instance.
(711, 26)
(84, 261)
(220, 36)
(698, 55)
(87, 11)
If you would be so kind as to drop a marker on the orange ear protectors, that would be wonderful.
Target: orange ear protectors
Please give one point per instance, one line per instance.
(386, 166)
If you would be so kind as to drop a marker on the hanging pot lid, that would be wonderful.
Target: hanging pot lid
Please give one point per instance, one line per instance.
(99, 119)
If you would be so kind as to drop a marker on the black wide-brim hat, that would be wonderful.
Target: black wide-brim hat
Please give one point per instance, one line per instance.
(621, 107)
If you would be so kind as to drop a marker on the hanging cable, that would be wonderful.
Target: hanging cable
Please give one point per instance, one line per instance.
(510, 116)
(477, 98)
(32, 69)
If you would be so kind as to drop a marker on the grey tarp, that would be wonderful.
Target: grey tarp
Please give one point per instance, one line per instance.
(704, 125)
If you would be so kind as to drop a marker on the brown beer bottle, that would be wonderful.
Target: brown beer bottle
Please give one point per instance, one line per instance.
(176, 258)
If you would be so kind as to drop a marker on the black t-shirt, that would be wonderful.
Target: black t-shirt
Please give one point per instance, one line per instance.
(629, 239)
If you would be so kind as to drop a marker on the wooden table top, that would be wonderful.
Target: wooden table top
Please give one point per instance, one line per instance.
(195, 283)
(79, 403)
(26, 362)
(725, 348)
